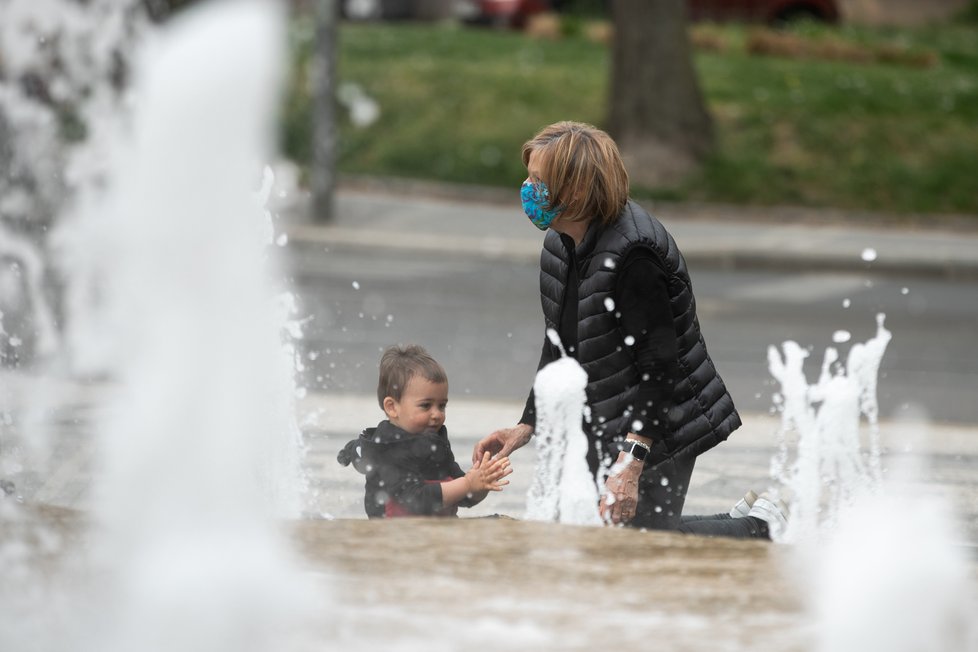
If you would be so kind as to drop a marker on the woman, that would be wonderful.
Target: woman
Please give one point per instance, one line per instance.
(614, 286)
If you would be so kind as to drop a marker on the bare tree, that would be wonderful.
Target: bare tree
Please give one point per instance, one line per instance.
(658, 115)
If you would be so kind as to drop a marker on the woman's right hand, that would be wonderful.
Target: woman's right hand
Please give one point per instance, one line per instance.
(502, 442)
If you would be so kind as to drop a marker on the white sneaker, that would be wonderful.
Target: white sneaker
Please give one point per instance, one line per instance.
(773, 511)
(742, 508)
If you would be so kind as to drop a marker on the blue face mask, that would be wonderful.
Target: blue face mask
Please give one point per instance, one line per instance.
(536, 202)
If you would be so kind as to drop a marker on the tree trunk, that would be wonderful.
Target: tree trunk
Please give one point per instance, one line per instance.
(658, 116)
(322, 175)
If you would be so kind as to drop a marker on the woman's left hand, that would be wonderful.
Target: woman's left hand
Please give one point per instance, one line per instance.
(621, 491)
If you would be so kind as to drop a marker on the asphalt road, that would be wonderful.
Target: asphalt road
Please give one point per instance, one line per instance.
(482, 319)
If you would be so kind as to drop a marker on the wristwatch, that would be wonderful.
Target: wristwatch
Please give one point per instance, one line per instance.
(637, 449)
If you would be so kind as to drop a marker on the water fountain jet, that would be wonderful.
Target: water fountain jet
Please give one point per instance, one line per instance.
(197, 438)
(563, 488)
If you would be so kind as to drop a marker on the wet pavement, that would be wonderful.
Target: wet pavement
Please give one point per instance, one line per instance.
(497, 583)
(501, 584)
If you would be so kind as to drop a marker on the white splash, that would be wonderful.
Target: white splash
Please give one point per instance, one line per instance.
(830, 468)
(198, 438)
(563, 488)
(892, 578)
(73, 55)
(62, 94)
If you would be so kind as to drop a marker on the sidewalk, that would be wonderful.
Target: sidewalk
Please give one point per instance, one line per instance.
(436, 219)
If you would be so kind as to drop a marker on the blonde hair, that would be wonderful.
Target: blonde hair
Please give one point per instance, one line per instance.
(583, 169)
(398, 365)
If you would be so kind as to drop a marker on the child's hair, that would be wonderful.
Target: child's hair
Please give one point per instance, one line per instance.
(583, 169)
(399, 364)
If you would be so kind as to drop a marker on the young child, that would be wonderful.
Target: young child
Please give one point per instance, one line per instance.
(407, 459)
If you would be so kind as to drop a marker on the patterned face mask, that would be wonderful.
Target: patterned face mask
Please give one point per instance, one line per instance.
(536, 199)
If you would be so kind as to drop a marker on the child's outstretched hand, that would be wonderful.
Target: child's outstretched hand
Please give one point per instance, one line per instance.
(487, 474)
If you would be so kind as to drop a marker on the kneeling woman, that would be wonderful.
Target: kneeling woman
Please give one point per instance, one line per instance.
(615, 287)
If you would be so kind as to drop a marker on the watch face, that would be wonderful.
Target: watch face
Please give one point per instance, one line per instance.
(638, 452)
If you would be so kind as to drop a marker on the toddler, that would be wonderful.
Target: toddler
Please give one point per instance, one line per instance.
(407, 460)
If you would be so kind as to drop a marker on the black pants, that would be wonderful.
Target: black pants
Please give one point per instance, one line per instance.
(662, 494)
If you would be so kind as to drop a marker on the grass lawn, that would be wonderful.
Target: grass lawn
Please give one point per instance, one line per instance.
(898, 133)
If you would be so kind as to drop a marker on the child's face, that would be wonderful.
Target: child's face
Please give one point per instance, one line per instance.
(421, 409)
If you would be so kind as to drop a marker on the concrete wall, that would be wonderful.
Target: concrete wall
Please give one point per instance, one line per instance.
(899, 12)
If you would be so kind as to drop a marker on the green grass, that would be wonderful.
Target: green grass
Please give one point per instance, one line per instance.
(456, 105)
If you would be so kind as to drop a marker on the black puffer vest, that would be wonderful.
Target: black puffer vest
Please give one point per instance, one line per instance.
(703, 412)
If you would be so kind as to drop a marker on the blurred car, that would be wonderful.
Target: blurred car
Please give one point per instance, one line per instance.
(515, 13)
